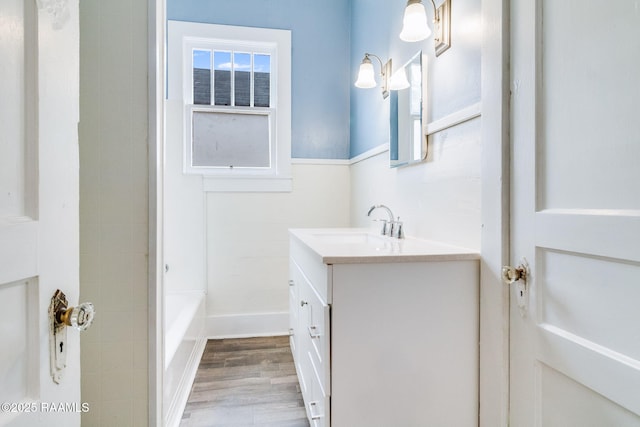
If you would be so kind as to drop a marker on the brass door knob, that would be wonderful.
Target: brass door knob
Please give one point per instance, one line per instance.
(79, 317)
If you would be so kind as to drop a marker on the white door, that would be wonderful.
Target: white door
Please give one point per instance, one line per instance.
(575, 342)
(39, 224)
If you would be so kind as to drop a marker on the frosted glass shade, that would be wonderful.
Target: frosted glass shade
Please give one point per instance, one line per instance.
(366, 76)
(398, 80)
(414, 24)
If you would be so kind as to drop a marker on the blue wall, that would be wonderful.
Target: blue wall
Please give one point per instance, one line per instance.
(453, 79)
(370, 33)
(321, 80)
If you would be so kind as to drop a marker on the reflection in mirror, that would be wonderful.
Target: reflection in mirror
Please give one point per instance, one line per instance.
(407, 143)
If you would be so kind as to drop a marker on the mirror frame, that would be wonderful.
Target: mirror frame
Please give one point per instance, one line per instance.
(394, 124)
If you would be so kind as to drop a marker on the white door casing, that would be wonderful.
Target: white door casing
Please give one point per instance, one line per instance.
(39, 218)
(575, 351)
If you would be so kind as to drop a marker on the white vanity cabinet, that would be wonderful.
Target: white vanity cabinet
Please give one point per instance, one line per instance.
(310, 339)
(384, 336)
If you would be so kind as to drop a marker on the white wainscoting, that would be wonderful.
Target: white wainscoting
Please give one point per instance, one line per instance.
(248, 247)
(438, 199)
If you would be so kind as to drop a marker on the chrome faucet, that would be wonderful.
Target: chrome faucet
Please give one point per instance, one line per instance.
(391, 227)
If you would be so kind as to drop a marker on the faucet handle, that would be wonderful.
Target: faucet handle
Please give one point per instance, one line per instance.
(396, 229)
(386, 227)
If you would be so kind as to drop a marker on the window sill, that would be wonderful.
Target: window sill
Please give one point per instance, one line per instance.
(247, 185)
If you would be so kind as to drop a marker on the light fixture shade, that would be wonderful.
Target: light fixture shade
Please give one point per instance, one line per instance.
(366, 75)
(398, 80)
(414, 24)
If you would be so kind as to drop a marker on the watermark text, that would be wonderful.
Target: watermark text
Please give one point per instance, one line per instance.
(46, 407)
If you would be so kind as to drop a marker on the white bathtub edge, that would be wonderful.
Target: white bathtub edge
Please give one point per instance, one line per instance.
(177, 329)
(184, 348)
(247, 325)
(179, 401)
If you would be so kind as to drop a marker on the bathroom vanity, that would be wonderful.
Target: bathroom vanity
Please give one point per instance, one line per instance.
(384, 331)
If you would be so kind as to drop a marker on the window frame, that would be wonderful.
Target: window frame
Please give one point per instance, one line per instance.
(183, 38)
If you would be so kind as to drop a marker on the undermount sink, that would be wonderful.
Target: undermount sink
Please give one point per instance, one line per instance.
(350, 237)
(361, 245)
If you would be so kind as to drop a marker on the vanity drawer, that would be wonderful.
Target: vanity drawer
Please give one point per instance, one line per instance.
(310, 263)
(318, 405)
(305, 374)
(315, 329)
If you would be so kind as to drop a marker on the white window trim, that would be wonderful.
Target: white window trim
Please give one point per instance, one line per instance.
(182, 37)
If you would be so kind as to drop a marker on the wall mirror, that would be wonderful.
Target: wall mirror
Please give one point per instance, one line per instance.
(407, 140)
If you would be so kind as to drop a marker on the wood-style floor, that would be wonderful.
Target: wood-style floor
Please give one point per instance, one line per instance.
(246, 382)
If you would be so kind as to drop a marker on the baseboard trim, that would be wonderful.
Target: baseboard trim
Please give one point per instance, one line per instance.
(247, 325)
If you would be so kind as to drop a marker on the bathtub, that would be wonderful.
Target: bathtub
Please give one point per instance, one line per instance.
(184, 342)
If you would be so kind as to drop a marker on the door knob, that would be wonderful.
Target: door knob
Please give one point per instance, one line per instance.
(513, 274)
(79, 317)
(518, 276)
(61, 315)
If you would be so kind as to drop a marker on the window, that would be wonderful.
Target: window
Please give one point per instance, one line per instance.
(229, 106)
(241, 79)
(234, 84)
(228, 139)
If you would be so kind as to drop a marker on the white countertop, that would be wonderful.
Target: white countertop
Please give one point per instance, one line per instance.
(360, 245)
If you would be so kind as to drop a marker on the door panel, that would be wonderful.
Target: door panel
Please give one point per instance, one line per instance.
(39, 223)
(588, 106)
(18, 230)
(575, 348)
(12, 108)
(19, 341)
(18, 247)
(554, 387)
(576, 294)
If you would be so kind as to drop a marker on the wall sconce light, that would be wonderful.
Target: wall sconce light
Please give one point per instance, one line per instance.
(366, 75)
(415, 27)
